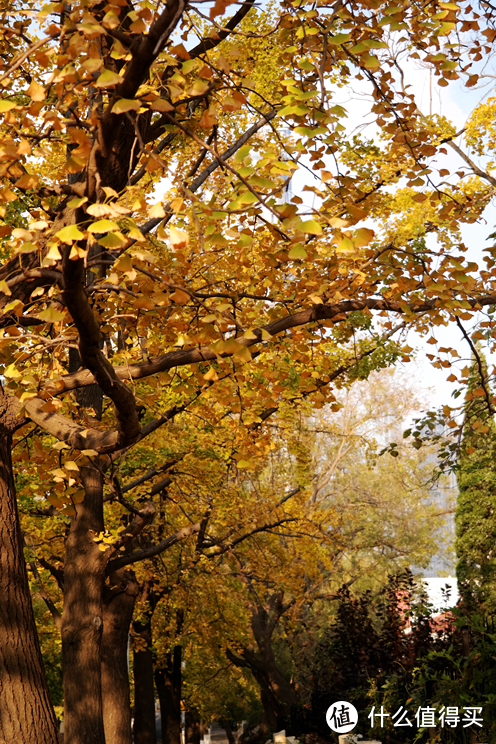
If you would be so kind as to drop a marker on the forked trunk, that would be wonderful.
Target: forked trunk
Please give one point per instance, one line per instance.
(144, 692)
(168, 681)
(120, 598)
(82, 620)
(26, 713)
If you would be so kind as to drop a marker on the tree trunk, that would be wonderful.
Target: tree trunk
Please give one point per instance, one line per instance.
(168, 681)
(120, 598)
(82, 620)
(272, 710)
(90, 396)
(226, 725)
(26, 713)
(144, 692)
(192, 730)
(276, 693)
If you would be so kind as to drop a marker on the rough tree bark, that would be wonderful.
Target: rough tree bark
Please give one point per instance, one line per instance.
(82, 620)
(119, 601)
(26, 712)
(168, 681)
(144, 692)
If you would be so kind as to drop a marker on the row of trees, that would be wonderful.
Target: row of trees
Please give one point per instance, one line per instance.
(222, 601)
(147, 338)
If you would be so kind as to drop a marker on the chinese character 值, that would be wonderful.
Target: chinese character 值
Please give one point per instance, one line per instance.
(341, 717)
(425, 717)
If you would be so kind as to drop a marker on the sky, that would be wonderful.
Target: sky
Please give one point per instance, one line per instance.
(456, 102)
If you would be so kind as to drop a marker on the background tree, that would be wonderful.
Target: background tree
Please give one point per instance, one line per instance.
(475, 513)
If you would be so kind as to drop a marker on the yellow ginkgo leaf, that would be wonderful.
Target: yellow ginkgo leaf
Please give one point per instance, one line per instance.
(103, 226)
(297, 251)
(178, 238)
(54, 253)
(311, 227)
(363, 236)
(78, 201)
(198, 88)
(345, 246)
(27, 181)
(108, 78)
(157, 211)
(99, 210)
(180, 297)
(70, 465)
(161, 105)
(51, 315)
(125, 104)
(36, 92)
(69, 234)
(6, 106)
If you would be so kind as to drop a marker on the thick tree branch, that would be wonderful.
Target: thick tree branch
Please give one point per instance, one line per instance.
(335, 312)
(90, 349)
(210, 43)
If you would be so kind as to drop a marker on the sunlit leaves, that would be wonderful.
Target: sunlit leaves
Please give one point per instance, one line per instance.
(125, 104)
(107, 79)
(69, 234)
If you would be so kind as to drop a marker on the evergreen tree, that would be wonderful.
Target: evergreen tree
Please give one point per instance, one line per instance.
(476, 508)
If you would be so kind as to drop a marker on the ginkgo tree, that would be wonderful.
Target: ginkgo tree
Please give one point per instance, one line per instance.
(124, 306)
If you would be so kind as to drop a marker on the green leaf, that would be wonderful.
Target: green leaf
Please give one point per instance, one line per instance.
(242, 153)
(372, 63)
(310, 131)
(339, 39)
(218, 239)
